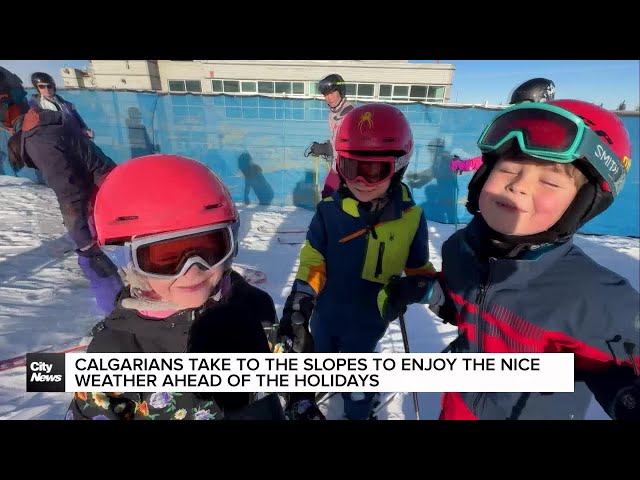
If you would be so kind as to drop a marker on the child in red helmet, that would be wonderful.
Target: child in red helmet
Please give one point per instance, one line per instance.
(360, 240)
(171, 225)
(515, 282)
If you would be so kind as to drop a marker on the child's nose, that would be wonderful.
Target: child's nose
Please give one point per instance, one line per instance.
(521, 184)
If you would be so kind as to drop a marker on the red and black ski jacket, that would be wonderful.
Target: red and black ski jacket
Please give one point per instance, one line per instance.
(551, 299)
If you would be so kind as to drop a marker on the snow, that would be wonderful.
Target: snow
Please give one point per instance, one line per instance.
(45, 300)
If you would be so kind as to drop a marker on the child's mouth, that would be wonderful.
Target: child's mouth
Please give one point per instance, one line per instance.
(509, 207)
(194, 288)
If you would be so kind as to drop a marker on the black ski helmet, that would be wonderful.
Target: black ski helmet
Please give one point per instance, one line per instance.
(534, 90)
(41, 77)
(331, 83)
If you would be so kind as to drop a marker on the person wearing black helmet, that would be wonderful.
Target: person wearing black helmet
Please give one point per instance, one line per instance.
(46, 97)
(333, 88)
(533, 90)
(72, 166)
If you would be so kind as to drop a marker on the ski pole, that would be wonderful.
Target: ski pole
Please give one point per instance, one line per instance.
(455, 204)
(450, 347)
(405, 341)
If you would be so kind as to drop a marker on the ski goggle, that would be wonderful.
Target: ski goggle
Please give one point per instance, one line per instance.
(171, 255)
(372, 171)
(553, 133)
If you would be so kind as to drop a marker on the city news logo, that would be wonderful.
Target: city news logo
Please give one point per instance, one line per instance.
(45, 372)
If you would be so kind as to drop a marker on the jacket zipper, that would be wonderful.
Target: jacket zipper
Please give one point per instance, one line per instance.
(186, 344)
(379, 262)
(480, 298)
(480, 303)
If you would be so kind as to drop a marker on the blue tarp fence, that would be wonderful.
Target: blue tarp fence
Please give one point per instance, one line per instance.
(256, 145)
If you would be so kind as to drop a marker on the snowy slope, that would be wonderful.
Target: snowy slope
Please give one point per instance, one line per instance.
(45, 300)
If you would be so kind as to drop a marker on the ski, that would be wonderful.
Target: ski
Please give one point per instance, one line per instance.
(383, 403)
(289, 241)
(269, 229)
(73, 345)
(324, 397)
(250, 274)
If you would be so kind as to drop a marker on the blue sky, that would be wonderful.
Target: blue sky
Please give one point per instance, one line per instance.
(474, 81)
(598, 81)
(24, 68)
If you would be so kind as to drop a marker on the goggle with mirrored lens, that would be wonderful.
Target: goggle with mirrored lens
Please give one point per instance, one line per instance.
(170, 255)
(371, 172)
(553, 133)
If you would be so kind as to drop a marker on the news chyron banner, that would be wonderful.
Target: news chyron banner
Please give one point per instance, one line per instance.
(340, 372)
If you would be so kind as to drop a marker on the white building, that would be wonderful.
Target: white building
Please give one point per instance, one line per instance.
(367, 80)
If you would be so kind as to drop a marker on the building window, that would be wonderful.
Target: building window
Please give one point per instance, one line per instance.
(360, 90)
(193, 86)
(365, 90)
(177, 86)
(270, 88)
(400, 92)
(418, 93)
(265, 88)
(231, 86)
(436, 93)
(249, 87)
(350, 90)
(225, 86)
(413, 93)
(283, 87)
(185, 86)
(394, 92)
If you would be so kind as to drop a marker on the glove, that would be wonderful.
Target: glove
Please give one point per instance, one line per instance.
(16, 159)
(317, 149)
(394, 297)
(294, 323)
(457, 165)
(279, 343)
(441, 304)
(98, 261)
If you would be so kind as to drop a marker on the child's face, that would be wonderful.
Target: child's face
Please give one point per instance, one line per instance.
(365, 193)
(525, 196)
(192, 289)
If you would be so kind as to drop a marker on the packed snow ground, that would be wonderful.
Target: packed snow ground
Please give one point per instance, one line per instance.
(45, 300)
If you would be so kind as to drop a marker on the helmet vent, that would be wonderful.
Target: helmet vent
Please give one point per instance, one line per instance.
(212, 206)
(124, 219)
